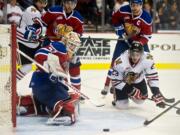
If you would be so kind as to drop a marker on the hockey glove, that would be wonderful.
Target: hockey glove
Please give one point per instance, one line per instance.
(30, 33)
(105, 91)
(120, 31)
(159, 100)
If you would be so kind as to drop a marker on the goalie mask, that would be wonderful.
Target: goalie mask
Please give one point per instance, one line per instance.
(72, 42)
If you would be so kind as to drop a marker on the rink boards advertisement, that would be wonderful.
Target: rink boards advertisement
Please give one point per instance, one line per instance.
(97, 49)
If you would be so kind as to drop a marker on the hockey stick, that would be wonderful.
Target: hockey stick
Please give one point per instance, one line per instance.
(147, 122)
(41, 66)
(168, 100)
(62, 75)
(89, 37)
(82, 94)
(177, 111)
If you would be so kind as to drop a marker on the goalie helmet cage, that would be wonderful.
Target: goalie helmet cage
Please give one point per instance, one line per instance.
(8, 75)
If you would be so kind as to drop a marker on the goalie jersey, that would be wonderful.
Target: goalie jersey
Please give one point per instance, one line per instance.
(139, 28)
(28, 17)
(143, 69)
(59, 49)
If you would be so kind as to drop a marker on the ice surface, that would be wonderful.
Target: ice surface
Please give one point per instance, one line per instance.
(93, 120)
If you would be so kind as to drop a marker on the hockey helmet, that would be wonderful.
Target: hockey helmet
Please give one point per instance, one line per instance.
(137, 1)
(74, 1)
(136, 47)
(72, 42)
(42, 1)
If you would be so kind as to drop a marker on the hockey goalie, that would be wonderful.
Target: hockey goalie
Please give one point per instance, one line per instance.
(50, 95)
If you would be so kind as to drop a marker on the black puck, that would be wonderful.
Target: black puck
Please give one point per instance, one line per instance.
(106, 129)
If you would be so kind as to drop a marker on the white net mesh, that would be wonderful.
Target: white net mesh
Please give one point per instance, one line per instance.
(5, 77)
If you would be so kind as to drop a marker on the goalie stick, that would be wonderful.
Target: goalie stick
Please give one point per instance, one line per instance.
(147, 122)
(64, 82)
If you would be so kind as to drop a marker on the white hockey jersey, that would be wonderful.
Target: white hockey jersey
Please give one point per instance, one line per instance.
(143, 69)
(14, 13)
(27, 19)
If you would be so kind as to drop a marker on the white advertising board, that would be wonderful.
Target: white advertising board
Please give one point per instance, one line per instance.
(97, 50)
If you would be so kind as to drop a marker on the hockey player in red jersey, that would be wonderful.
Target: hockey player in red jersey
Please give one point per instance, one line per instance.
(47, 88)
(128, 78)
(59, 20)
(54, 19)
(133, 24)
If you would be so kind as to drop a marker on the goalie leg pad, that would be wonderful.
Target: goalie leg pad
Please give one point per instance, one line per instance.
(29, 105)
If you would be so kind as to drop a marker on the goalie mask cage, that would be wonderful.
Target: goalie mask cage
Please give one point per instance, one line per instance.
(8, 75)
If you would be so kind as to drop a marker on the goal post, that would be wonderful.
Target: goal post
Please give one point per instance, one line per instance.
(8, 75)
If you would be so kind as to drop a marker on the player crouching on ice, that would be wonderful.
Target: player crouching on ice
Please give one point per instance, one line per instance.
(128, 78)
(47, 88)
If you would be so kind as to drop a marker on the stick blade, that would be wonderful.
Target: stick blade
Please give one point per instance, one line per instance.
(146, 122)
(169, 100)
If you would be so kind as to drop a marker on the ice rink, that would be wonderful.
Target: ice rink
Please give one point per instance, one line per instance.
(93, 120)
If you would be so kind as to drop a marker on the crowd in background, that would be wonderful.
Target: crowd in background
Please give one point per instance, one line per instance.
(165, 13)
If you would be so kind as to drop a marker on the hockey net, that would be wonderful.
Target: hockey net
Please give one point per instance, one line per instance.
(7, 75)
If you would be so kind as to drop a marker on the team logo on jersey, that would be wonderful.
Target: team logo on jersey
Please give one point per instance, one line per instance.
(115, 73)
(118, 61)
(149, 56)
(33, 10)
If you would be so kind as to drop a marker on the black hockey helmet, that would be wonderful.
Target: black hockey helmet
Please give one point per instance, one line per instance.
(136, 47)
